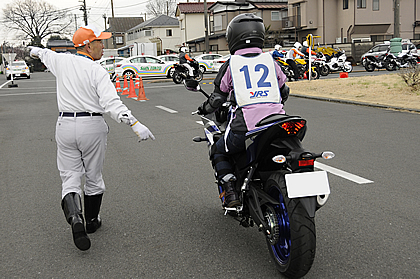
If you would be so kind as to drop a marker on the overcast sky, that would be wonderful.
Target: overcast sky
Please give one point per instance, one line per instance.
(97, 8)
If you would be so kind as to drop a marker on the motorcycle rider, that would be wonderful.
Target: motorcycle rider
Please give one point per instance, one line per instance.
(183, 60)
(294, 53)
(276, 53)
(305, 49)
(252, 98)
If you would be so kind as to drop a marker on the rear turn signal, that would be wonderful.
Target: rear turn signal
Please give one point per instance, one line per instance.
(293, 127)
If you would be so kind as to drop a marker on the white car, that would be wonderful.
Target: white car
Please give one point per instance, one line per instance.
(143, 65)
(219, 62)
(206, 61)
(170, 58)
(17, 69)
(109, 63)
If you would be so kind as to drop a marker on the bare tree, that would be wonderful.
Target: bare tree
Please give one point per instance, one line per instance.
(36, 19)
(161, 7)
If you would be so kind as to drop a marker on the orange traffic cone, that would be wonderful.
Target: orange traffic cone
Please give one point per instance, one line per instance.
(118, 85)
(125, 86)
(132, 92)
(344, 75)
(142, 94)
(137, 83)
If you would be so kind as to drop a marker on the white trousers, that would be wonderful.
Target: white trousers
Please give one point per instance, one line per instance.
(190, 69)
(81, 146)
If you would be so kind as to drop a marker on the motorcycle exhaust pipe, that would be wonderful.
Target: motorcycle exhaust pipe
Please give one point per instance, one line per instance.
(321, 200)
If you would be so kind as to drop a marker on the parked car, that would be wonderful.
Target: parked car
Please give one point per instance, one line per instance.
(109, 63)
(169, 58)
(17, 69)
(219, 62)
(206, 61)
(383, 48)
(144, 65)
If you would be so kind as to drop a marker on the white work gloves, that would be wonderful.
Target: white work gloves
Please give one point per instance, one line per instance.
(139, 129)
(34, 51)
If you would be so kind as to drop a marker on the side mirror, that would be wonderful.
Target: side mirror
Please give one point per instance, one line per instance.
(192, 85)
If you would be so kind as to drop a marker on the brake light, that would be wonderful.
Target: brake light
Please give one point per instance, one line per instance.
(293, 127)
(305, 163)
(118, 65)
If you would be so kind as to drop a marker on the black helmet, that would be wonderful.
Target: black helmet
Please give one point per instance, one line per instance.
(245, 30)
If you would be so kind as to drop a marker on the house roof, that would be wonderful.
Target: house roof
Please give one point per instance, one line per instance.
(162, 20)
(192, 8)
(122, 24)
(270, 5)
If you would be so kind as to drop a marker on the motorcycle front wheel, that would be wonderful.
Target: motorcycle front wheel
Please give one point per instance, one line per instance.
(348, 68)
(176, 77)
(324, 70)
(369, 67)
(294, 251)
(390, 66)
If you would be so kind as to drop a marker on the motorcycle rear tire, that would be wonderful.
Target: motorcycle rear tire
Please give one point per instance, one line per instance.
(177, 78)
(199, 77)
(294, 253)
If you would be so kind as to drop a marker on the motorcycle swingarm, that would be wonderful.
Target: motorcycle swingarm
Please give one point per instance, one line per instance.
(255, 199)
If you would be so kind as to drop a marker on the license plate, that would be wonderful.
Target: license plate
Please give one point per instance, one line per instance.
(18, 75)
(307, 184)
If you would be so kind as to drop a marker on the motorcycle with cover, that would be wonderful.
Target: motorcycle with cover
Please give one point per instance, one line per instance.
(280, 191)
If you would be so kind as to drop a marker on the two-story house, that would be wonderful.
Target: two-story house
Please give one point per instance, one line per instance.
(341, 21)
(162, 30)
(191, 20)
(118, 26)
(222, 12)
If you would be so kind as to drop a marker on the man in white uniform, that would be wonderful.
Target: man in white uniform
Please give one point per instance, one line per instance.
(84, 94)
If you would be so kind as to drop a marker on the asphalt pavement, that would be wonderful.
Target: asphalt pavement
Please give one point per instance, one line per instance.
(161, 213)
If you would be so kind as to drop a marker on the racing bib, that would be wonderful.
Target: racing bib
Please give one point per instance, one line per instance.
(254, 79)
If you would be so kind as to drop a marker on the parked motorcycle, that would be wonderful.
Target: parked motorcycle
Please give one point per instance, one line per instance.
(371, 62)
(403, 60)
(320, 62)
(337, 62)
(181, 72)
(279, 189)
(302, 66)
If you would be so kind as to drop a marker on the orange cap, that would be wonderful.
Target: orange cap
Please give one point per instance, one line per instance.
(87, 34)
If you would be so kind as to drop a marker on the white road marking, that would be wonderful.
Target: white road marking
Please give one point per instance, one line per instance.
(200, 122)
(343, 174)
(19, 94)
(167, 109)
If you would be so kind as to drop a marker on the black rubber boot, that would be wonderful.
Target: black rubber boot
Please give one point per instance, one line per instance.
(72, 208)
(231, 197)
(92, 208)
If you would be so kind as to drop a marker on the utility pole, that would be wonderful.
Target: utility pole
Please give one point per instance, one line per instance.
(84, 10)
(396, 18)
(206, 30)
(104, 16)
(112, 8)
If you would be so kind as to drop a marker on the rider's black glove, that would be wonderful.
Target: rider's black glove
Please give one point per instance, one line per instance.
(284, 92)
(201, 110)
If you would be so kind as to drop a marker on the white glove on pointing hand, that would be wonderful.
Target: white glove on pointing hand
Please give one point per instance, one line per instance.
(141, 131)
(34, 51)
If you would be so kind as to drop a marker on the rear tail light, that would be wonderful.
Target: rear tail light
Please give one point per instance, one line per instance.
(118, 65)
(293, 127)
(306, 163)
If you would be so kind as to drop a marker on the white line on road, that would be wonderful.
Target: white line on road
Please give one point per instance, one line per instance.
(338, 172)
(19, 94)
(343, 174)
(167, 109)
